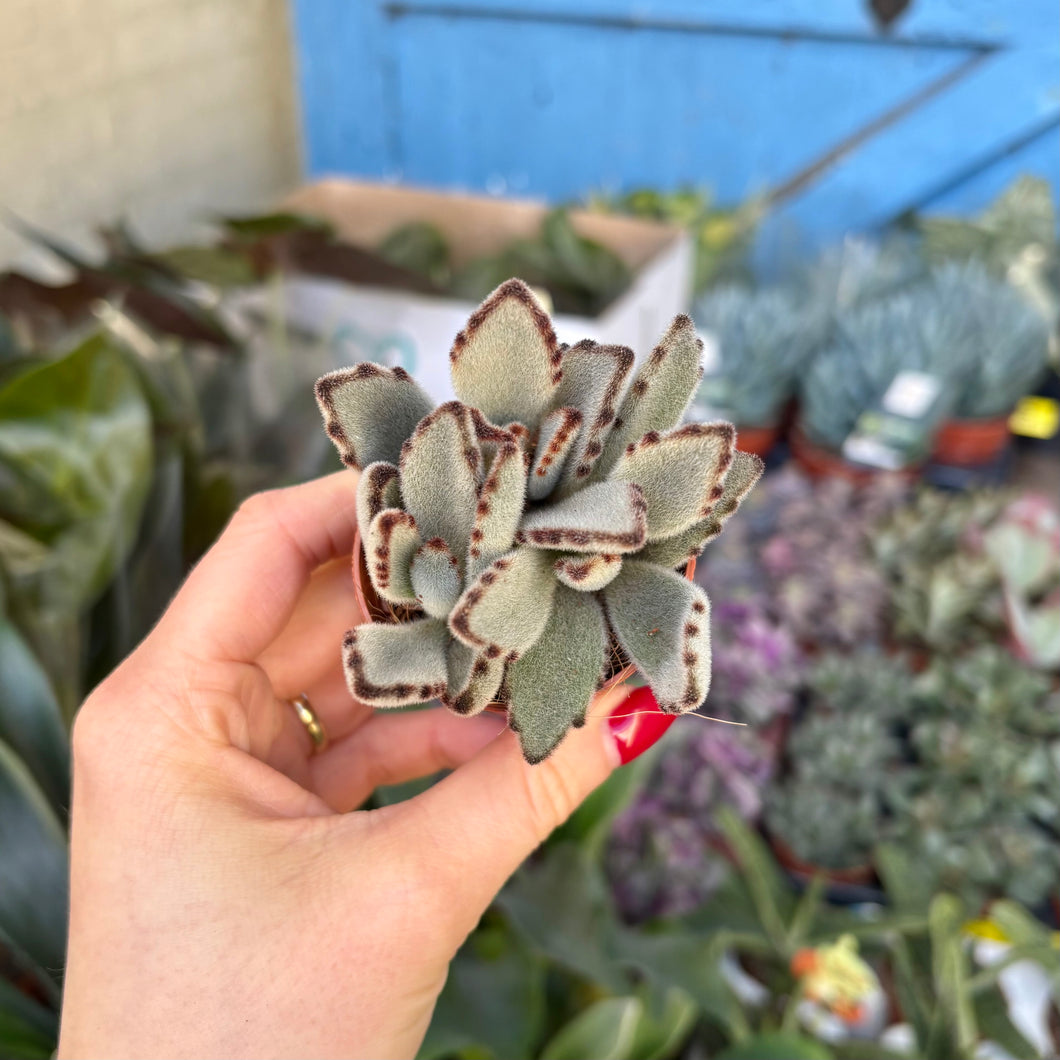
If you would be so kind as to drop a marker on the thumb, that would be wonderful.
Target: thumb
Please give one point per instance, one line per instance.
(492, 812)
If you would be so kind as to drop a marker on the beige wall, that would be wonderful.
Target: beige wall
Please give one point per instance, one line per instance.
(162, 111)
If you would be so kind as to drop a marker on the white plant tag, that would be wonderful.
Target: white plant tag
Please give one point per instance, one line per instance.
(911, 394)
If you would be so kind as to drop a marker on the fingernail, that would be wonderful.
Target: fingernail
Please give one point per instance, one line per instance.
(636, 724)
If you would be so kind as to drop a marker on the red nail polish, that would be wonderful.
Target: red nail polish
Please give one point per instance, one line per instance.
(637, 723)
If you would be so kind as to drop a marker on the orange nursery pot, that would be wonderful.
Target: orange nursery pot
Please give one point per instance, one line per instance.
(380, 611)
(757, 440)
(971, 443)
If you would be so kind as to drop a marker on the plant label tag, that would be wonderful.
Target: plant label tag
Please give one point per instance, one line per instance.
(897, 431)
(911, 394)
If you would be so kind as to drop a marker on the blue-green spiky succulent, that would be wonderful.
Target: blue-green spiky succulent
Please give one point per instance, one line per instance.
(536, 523)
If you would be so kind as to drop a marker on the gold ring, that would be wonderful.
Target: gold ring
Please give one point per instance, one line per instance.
(312, 723)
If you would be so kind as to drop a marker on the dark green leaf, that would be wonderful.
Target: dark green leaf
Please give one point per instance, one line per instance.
(27, 1029)
(776, 1046)
(493, 1003)
(75, 466)
(419, 247)
(31, 722)
(667, 1020)
(33, 869)
(606, 1030)
(562, 908)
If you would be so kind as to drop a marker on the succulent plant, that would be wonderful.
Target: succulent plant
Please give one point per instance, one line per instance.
(982, 336)
(982, 813)
(869, 347)
(533, 529)
(763, 342)
(846, 767)
(942, 586)
(664, 853)
(831, 808)
(855, 273)
(757, 664)
(1021, 217)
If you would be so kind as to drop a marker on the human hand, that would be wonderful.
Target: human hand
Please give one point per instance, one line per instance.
(223, 902)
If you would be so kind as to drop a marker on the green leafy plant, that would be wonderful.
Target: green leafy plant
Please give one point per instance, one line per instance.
(762, 344)
(721, 235)
(581, 275)
(531, 531)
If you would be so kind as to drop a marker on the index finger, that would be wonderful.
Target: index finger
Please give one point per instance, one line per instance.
(242, 592)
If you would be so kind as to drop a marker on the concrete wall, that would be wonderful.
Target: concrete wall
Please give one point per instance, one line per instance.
(161, 111)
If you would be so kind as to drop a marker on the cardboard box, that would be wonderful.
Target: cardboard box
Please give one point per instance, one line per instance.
(416, 331)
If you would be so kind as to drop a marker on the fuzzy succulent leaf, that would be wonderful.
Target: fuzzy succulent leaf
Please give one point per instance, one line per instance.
(505, 609)
(393, 665)
(441, 467)
(551, 686)
(607, 517)
(659, 394)
(680, 473)
(499, 509)
(593, 379)
(389, 545)
(506, 361)
(473, 681)
(744, 471)
(435, 577)
(662, 622)
(369, 411)
(588, 572)
(377, 489)
(559, 431)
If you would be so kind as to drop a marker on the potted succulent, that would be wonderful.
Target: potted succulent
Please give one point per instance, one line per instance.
(992, 345)
(526, 539)
(844, 769)
(666, 854)
(942, 587)
(761, 342)
(850, 384)
(805, 544)
(980, 809)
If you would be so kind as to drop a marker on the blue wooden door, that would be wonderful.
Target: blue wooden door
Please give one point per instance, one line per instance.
(806, 101)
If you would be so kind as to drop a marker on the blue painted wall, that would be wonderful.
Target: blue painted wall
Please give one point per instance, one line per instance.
(802, 100)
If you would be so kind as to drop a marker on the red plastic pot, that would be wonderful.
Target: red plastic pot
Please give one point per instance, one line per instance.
(757, 440)
(819, 462)
(380, 611)
(971, 443)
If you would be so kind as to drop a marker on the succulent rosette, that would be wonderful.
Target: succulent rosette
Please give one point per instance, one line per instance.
(531, 532)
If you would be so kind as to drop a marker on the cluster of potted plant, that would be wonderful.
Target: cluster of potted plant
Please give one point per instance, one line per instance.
(893, 354)
(909, 641)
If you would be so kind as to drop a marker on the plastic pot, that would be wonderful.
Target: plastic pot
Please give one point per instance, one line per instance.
(855, 875)
(819, 463)
(380, 611)
(757, 440)
(971, 443)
